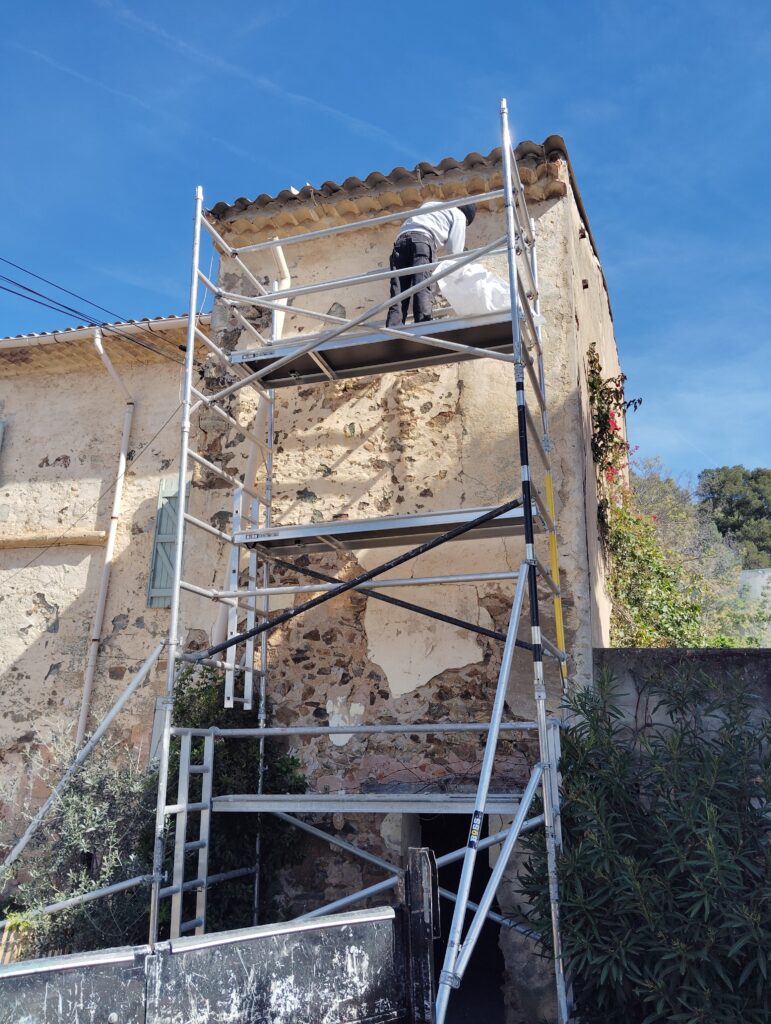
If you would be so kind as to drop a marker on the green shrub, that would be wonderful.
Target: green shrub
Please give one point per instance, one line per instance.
(651, 603)
(664, 875)
(198, 700)
(101, 831)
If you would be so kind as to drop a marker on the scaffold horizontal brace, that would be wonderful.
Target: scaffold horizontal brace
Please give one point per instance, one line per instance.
(342, 588)
(386, 729)
(363, 803)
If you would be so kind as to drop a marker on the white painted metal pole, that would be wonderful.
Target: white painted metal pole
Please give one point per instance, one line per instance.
(163, 769)
(101, 601)
(284, 281)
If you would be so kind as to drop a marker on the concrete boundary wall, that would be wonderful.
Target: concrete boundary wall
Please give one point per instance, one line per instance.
(637, 670)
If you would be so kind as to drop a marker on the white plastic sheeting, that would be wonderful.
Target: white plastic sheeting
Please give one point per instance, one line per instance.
(473, 290)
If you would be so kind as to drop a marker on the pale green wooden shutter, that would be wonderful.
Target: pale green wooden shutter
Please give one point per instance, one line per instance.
(161, 577)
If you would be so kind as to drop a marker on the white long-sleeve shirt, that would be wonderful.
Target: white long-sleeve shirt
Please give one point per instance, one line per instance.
(446, 227)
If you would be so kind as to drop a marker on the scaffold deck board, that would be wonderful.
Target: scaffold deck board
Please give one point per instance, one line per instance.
(365, 803)
(366, 354)
(387, 531)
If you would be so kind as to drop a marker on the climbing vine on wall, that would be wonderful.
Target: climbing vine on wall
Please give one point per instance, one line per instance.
(609, 405)
(652, 595)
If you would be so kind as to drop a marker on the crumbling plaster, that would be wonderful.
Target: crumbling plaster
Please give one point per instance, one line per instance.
(433, 438)
(58, 461)
(444, 437)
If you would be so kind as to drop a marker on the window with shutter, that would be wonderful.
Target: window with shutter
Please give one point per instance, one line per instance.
(162, 561)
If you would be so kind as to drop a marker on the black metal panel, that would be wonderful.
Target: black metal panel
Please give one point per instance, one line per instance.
(90, 988)
(367, 354)
(351, 968)
(422, 899)
(346, 969)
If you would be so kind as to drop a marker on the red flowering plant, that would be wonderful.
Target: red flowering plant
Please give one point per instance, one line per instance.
(610, 448)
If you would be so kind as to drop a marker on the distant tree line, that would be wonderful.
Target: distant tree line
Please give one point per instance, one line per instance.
(677, 568)
(739, 501)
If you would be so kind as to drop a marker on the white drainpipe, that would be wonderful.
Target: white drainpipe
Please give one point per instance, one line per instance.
(101, 602)
(284, 281)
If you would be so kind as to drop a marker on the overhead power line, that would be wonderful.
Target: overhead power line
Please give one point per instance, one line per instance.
(41, 298)
(52, 302)
(61, 288)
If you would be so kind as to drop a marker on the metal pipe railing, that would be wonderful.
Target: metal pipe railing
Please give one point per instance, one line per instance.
(496, 875)
(231, 420)
(407, 581)
(352, 281)
(344, 587)
(389, 729)
(184, 444)
(208, 528)
(321, 339)
(215, 470)
(86, 897)
(448, 974)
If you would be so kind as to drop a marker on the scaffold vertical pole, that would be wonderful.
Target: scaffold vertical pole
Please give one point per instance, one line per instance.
(173, 645)
(262, 706)
(546, 748)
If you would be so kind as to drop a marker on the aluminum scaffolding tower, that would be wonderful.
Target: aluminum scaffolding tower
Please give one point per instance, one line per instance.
(354, 347)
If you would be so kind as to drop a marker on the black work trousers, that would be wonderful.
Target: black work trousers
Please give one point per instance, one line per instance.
(410, 250)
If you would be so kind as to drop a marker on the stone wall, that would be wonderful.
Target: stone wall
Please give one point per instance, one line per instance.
(63, 418)
(60, 454)
(636, 671)
(435, 438)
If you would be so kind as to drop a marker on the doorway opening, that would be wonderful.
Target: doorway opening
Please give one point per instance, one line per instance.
(479, 997)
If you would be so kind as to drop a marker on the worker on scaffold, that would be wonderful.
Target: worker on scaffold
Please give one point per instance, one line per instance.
(417, 242)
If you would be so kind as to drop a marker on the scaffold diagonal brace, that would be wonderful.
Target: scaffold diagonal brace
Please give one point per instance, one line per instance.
(343, 588)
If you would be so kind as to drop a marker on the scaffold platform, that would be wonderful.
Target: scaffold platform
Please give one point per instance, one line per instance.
(375, 352)
(386, 531)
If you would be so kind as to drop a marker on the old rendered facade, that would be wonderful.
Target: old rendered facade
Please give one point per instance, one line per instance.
(440, 437)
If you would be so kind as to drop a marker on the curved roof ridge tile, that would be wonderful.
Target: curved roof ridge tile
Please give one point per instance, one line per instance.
(399, 176)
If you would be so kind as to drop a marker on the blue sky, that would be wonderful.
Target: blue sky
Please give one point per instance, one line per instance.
(115, 110)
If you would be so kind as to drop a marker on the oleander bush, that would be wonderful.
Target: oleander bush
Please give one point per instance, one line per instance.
(664, 876)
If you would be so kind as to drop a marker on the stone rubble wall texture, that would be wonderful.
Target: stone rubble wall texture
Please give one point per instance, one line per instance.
(60, 453)
(439, 437)
(434, 438)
